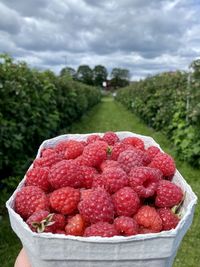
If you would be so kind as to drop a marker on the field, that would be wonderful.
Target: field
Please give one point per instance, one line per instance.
(110, 115)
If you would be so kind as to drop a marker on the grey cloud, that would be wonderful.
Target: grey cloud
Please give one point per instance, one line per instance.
(26, 8)
(10, 21)
(146, 38)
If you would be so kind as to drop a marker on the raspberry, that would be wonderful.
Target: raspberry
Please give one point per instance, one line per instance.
(103, 229)
(143, 230)
(152, 151)
(59, 220)
(85, 193)
(169, 219)
(39, 177)
(131, 158)
(75, 226)
(148, 220)
(30, 199)
(93, 138)
(49, 158)
(65, 200)
(111, 138)
(134, 141)
(118, 148)
(114, 179)
(126, 226)
(88, 175)
(73, 149)
(144, 180)
(40, 221)
(98, 181)
(165, 163)
(95, 153)
(109, 163)
(84, 143)
(81, 161)
(146, 159)
(65, 173)
(168, 194)
(47, 151)
(43, 221)
(97, 206)
(61, 232)
(70, 149)
(126, 202)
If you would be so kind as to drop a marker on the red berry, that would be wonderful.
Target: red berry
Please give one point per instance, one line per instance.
(143, 230)
(70, 149)
(134, 141)
(95, 153)
(84, 143)
(59, 220)
(98, 181)
(97, 206)
(30, 199)
(85, 193)
(168, 194)
(73, 149)
(88, 175)
(43, 221)
(40, 221)
(114, 179)
(126, 201)
(130, 159)
(61, 232)
(65, 200)
(144, 180)
(118, 148)
(65, 173)
(47, 151)
(103, 229)
(148, 220)
(39, 177)
(169, 219)
(93, 138)
(109, 163)
(49, 158)
(75, 225)
(152, 151)
(164, 163)
(111, 138)
(126, 226)
(81, 161)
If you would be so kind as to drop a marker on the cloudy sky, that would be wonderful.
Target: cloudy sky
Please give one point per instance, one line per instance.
(145, 36)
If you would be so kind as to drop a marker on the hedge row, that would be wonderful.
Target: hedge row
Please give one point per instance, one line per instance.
(168, 102)
(35, 106)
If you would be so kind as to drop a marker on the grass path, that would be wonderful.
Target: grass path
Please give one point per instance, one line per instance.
(109, 115)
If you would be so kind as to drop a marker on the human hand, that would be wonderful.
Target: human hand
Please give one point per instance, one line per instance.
(22, 260)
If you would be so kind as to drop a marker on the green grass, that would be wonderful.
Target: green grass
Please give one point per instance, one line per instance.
(109, 115)
(9, 244)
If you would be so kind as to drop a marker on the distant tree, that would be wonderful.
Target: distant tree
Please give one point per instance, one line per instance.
(99, 75)
(120, 77)
(195, 65)
(85, 75)
(69, 72)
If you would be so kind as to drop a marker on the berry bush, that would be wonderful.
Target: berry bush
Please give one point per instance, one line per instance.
(35, 105)
(168, 102)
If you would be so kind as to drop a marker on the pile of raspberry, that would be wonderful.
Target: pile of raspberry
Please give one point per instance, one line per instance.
(103, 186)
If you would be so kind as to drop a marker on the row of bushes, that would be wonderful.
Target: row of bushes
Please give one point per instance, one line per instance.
(169, 102)
(35, 105)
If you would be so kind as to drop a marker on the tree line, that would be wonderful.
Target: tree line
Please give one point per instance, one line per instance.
(118, 77)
